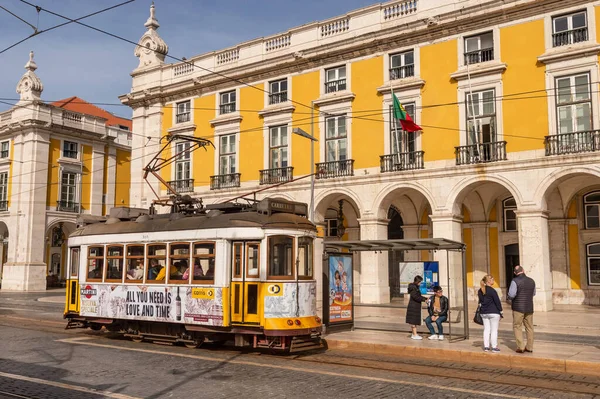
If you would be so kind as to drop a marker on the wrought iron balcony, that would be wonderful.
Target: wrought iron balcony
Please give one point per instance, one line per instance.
(227, 108)
(3, 205)
(572, 143)
(277, 98)
(182, 117)
(335, 85)
(67, 206)
(327, 170)
(481, 153)
(277, 175)
(402, 72)
(182, 186)
(225, 181)
(403, 161)
(570, 37)
(475, 57)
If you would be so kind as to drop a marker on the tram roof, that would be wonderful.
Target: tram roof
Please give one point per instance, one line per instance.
(177, 222)
(396, 245)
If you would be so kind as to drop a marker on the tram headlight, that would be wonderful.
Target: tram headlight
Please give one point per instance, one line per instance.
(298, 322)
(290, 323)
(318, 319)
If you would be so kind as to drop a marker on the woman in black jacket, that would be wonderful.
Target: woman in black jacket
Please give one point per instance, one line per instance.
(413, 311)
(491, 312)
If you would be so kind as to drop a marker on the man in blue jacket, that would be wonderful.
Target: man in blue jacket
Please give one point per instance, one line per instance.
(521, 293)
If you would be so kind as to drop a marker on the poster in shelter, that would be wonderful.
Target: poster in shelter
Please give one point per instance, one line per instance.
(340, 288)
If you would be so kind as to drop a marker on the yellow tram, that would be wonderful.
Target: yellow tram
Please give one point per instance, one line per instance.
(241, 272)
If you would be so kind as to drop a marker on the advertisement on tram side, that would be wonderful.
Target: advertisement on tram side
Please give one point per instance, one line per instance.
(340, 289)
(190, 305)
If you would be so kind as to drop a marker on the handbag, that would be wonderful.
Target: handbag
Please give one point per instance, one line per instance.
(478, 319)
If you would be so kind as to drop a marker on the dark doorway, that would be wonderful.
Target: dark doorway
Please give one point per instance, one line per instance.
(511, 259)
(395, 232)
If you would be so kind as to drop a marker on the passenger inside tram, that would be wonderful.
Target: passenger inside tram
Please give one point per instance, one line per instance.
(154, 269)
(136, 270)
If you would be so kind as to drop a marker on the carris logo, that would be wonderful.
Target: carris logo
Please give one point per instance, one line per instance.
(88, 291)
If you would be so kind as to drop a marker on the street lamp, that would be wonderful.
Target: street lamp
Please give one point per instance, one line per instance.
(312, 139)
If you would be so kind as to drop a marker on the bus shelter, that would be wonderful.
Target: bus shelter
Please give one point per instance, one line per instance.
(449, 272)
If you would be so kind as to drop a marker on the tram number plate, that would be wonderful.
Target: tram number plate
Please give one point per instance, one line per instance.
(203, 293)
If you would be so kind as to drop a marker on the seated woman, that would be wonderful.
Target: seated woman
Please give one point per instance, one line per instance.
(137, 272)
(177, 271)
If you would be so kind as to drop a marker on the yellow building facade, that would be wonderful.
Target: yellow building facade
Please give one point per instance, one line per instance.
(61, 164)
(505, 93)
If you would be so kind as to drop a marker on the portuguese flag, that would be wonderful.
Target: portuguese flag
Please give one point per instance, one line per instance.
(401, 115)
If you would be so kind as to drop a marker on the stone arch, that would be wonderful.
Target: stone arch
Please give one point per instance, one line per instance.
(460, 191)
(554, 180)
(384, 198)
(327, 197)
(285, 196)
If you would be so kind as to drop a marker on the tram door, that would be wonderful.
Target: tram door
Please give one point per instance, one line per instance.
(245, 283)
(72, 303)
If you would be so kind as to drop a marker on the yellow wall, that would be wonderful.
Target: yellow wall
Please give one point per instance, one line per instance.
(86, 177)
(425, 233)
(252, 136)
(367, 133)
(440, 135)
(105, 177)
(527, 117)
(493, 245)
(573, 238)
(167, 122)
(305, 88)
(202, 164)
(468, 240)
(122, 178)
(53, 178)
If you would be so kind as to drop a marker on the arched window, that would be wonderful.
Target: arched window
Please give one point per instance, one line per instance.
(509, 206)
(591, 206)
(331, 222)
(593, 263)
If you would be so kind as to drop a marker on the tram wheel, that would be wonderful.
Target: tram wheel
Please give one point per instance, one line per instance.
(137, 339)
(96, 327)
(194, 343)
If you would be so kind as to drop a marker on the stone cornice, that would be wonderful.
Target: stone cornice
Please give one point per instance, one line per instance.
(282, 108)
(233, 117)
(182, 128)
(401, 84)
(567, 52)
(482, 69)
(334, 98)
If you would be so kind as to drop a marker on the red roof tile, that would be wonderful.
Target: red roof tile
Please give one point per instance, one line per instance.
(76, 104)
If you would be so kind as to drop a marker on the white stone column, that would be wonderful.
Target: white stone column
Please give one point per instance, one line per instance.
(111, 170)
(480, 252)
(97, 179)
(534, 254)
(25, 269)
(450, 227)
(374, 283)
(411, 232)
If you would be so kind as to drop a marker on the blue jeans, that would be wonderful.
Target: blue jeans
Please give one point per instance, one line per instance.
(439, 322)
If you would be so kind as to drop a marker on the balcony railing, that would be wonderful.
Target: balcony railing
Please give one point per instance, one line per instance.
(182, 117)
(403, 161)
(327, 170)
(182, 186)
(277, 175)
(67, 206)
(227, 108)
(335, 85)
(570, 37)
(475, 57)
(572, 143)
(224, 181)
(481, 153)
(277, 98)
(70, 154)
(3, 205)
(402, 72)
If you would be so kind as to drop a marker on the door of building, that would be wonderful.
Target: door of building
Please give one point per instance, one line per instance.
(511, 259)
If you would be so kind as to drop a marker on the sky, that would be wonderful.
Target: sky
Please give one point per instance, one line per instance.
(77, 61)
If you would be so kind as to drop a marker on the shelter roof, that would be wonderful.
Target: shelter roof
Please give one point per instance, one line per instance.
(396, 245)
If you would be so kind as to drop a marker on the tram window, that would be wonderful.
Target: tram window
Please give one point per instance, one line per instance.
(281, 257)
(305, 258)
(95, 263)
(74, 262)
(157, 261)
(114, 264)
(135, 264)
(237, 259)
(180, 261)
(204, 263)
(252, 252)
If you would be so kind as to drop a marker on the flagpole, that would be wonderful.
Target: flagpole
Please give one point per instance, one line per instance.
(395, 127)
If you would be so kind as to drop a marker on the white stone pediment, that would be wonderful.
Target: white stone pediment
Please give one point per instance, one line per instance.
(399, 85)
(233, 117)
(183, 128)
(567, 52)
(282, 108)
(334, 98)
(481, 69)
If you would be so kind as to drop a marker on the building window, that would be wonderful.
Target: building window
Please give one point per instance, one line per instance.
(591, 205)
(123, 127)
(402, 65)
(574, 103)
(335, 79)
(569, 29)
(183, 172)
(400, 140)
(509, 206)
(331, 222)
(4, 191)
(593, 263)
(4, 149)
(68, 193)
(278, 147)
(70, 150)
(336, 140)
(227, 155)
(479, 48)
(481, 117)
(183, 112)
(227, 102)
(278, 91)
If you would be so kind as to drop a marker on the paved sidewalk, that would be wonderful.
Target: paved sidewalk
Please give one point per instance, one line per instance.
(567, 339)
